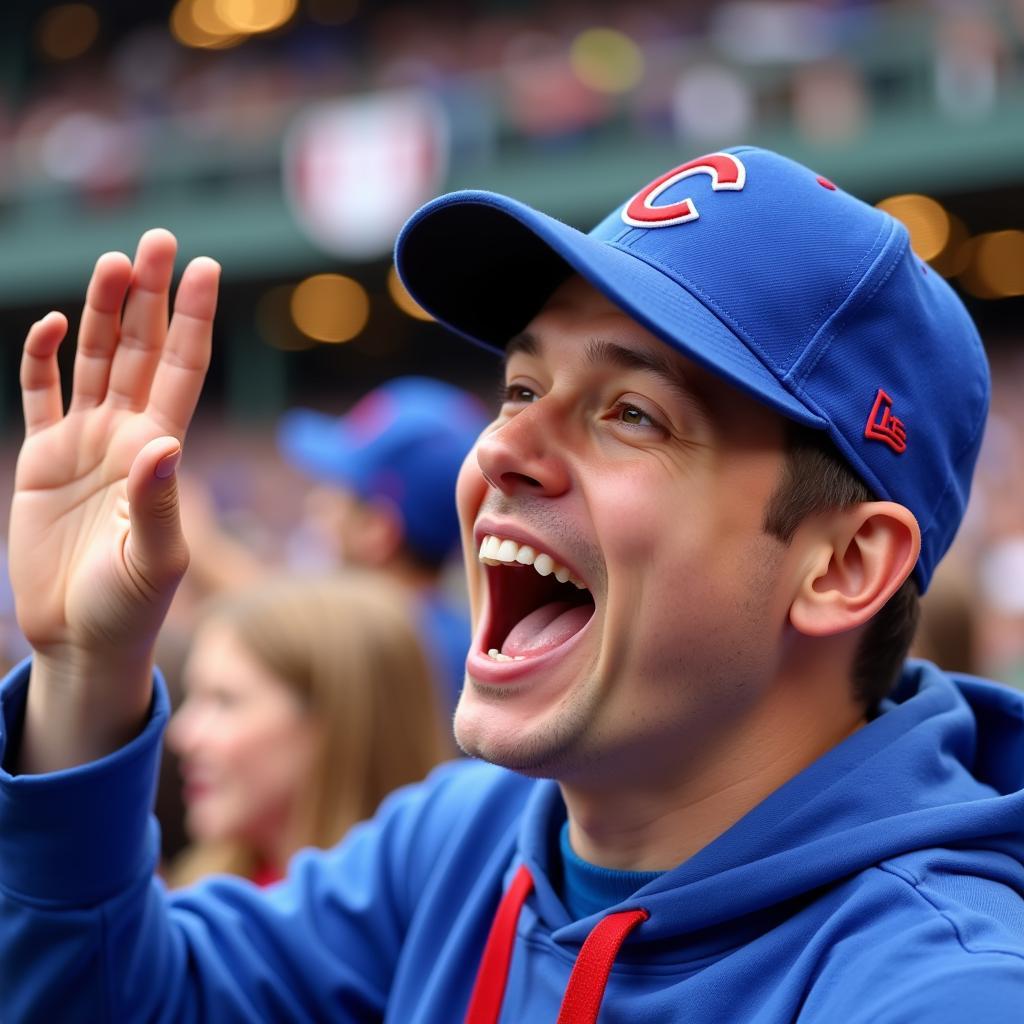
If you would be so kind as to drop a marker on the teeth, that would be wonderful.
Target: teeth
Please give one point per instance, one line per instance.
(498, 551)
(496, 655)
(507, 551)
(489, 551)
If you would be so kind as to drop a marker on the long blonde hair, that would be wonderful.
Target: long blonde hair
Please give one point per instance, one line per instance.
(348, 646)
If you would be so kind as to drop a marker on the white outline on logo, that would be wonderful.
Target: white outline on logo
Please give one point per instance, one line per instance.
(716, 185)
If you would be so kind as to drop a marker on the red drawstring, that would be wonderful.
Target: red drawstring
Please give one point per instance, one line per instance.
(582, 1000)
(489, 989)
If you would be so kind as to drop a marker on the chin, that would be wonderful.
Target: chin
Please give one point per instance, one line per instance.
(546, 748)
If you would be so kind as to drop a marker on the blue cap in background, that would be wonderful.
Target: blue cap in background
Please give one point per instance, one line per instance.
(403, 442)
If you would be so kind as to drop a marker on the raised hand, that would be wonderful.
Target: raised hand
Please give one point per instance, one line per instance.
(96, 549)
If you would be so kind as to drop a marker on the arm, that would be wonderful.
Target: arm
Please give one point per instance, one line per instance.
(86, 932)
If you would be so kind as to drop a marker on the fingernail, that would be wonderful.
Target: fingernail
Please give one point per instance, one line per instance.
(167, 465)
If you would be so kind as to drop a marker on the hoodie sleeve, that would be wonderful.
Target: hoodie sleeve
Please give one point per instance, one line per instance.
(88, 934)
(986, 988)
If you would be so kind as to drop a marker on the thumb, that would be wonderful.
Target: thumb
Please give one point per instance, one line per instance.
(156, 547)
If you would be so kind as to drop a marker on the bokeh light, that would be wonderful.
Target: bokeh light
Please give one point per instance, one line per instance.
(67, 31)
(953, 258)
(607, 60)
(195, 23)
(330, 307)
(274, 323)
(925, 219)
(252, 16)
(995, 269)
(402, 299)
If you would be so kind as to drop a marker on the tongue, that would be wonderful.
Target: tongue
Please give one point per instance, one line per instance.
(547, 627)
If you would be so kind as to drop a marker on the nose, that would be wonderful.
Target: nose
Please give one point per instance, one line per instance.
(525, 455)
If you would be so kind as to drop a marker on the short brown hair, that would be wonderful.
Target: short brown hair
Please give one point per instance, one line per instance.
(816, 479)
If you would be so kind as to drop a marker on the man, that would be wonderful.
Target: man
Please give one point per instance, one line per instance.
(739, 425)
(384, 497)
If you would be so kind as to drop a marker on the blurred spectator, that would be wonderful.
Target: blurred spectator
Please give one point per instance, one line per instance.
(307, 701)
(385, 496)
(946, 631)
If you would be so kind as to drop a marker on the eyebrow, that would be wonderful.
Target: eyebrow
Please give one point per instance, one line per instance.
(524, 342)
(600, 352)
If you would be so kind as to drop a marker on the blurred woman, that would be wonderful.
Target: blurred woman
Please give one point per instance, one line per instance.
(307, 701)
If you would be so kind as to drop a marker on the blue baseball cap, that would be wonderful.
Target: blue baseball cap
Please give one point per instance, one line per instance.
(403, 442)
(768, 275)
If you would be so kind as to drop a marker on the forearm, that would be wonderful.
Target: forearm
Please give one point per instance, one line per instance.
(81, 707)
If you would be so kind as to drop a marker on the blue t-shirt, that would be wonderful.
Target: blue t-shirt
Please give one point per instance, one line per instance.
(588, 889)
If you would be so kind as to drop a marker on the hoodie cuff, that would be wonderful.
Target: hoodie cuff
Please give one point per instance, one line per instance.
(77, 837)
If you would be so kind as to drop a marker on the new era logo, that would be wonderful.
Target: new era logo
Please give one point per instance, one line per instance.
(883, 426)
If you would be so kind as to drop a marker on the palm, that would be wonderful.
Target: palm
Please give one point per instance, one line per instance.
(74, 558)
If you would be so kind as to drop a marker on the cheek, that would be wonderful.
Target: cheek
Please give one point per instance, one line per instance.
(245, 746)
(263, 767)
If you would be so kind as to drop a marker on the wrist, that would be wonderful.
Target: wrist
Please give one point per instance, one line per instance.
(82, 706)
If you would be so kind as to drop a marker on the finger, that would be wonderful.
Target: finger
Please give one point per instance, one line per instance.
(156, 554)
(144, 324)
(100, 328)
(41, 398)
(186, 353)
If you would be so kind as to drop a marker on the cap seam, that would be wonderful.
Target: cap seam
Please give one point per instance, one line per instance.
(727, 320)
(812, 350)
(828, 332)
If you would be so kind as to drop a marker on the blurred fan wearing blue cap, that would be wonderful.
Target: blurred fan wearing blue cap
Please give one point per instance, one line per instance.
(385, 495)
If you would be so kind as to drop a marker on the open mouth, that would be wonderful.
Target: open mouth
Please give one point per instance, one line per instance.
(536, 604)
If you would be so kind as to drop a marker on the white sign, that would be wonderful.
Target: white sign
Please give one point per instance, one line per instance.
(355, 169)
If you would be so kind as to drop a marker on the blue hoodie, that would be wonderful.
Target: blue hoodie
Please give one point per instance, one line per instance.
(883, 884)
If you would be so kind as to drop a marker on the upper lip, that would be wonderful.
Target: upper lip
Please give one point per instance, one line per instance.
(511, 531)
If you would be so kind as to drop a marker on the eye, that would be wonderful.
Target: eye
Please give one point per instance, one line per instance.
(633, 416)
(517, 394)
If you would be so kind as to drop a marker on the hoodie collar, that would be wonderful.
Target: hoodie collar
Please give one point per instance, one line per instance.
(942, 764)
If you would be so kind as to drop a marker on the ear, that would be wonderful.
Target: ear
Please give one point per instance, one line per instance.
(859, 559)
(381, 532)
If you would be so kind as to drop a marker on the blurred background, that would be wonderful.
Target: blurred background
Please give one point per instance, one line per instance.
(290, 138)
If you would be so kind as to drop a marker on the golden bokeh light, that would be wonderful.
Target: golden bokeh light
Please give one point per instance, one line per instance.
(606, 60)
(996, 265)
(67, 31)
(330, 307)
(252, 16)
(195, 23)
(402, 299)
(925, 219)
(274, 323)
(952, 261)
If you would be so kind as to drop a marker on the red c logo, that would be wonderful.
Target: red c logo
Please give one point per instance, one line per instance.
(725, 170)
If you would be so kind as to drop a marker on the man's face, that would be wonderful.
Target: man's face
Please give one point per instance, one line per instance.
(644, 478)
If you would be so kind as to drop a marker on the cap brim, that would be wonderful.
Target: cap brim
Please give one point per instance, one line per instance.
(483, 265)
